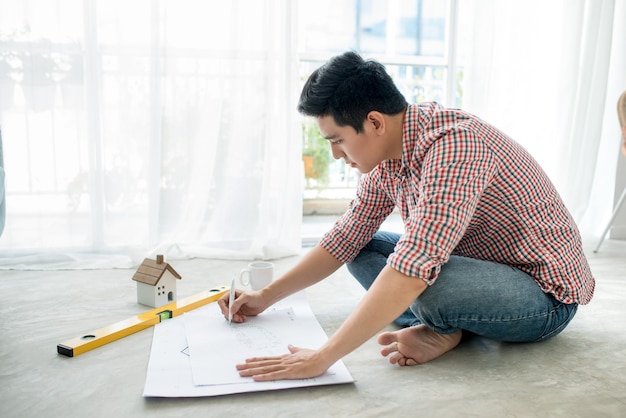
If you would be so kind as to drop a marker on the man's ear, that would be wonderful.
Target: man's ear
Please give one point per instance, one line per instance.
(377, 120)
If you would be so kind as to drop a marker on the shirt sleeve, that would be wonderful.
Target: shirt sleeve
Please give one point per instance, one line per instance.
(359, 223)
(456, 170)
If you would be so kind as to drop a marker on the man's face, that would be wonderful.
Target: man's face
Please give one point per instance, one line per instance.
(359, 150)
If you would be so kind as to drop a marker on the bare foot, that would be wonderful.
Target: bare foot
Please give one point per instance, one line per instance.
(416, 345)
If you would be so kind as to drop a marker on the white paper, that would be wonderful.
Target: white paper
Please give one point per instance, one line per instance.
(195, 354)
(210, 339)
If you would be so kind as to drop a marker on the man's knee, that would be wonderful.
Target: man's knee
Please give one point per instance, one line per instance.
(431, 312)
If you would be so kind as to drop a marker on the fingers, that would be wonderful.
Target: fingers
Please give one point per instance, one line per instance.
(299, 364)
(264, 369)
(259, 363)
(270, 360)
(265, 373)
(223, 305)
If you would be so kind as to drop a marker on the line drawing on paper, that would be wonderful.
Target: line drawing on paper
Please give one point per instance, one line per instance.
(255, 338)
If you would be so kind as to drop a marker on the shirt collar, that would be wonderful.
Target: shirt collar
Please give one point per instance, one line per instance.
(399, 167)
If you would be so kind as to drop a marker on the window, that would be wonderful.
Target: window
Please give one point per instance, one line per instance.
(119, 120)
(415, 39)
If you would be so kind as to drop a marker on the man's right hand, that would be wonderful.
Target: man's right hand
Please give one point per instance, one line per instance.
(246, 304)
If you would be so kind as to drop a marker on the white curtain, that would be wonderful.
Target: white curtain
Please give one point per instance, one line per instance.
(131, 128)
(143, 127)
(549, 73)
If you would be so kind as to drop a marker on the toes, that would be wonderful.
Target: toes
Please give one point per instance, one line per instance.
(401, 360)
(387, 338)
(389, 349)
(397, 359)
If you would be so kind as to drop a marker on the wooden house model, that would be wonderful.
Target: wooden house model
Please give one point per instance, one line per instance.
(156, 282)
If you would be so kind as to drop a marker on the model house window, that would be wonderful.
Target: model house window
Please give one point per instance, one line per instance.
(415, 39)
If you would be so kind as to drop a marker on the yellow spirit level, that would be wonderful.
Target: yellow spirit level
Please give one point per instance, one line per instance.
(94, 339)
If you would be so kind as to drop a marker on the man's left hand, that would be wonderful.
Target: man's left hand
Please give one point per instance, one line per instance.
(300, 363)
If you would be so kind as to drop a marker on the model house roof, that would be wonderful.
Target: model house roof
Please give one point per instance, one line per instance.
(151, 271)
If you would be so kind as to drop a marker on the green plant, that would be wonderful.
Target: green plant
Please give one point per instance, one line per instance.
(315, 153)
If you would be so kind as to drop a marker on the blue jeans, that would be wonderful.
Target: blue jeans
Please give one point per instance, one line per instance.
(492, 300)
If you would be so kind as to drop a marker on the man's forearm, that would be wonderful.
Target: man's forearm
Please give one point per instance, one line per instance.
(388, 297)
(316, 265)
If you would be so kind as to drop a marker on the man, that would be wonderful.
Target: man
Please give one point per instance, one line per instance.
(489, 248)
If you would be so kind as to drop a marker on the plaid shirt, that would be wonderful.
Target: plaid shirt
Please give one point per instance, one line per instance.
(462, 187)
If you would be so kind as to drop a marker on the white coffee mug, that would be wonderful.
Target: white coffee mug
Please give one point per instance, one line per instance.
(257, 275)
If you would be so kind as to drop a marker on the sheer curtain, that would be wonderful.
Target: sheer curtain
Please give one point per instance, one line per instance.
(132, 128)
(549, 73)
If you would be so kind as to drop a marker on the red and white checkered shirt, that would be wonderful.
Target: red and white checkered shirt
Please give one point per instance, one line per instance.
(464, 188)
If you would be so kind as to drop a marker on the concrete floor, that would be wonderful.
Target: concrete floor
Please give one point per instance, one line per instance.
(580, 373)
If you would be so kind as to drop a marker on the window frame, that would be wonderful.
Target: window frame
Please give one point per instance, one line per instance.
(448, 62)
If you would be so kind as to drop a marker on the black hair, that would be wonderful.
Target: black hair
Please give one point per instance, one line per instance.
(347, 88)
